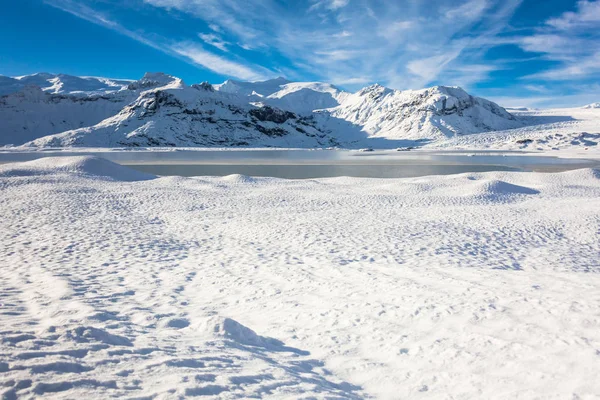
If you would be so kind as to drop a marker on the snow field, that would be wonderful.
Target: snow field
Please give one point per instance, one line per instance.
(116, 283)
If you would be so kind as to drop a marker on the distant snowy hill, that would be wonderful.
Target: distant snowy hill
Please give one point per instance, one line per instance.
(61, 83)
(161, 110)
(263, 88)
(32, 113)
(298, 97)
(593, 105)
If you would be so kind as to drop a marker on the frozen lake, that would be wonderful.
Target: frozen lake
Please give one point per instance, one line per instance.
(300, 164)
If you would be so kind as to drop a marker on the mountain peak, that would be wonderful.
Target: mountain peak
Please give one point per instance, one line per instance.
(262, 88)
(279, 79)
(43, 75)
(374, 90)
(155, 79)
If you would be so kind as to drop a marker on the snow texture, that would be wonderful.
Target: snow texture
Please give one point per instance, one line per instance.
(120, 284)
(569, 132)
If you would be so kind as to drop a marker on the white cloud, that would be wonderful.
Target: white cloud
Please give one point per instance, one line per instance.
(572, 70)
(572, 40)
(189, 52)
(430, 67)
(536, 88)
(214, 40)
(588, 13)
(329, 4)
(575, 98)
(215, 28)
(470, 10)
(217, 63)
(405, 44)
(402, 44)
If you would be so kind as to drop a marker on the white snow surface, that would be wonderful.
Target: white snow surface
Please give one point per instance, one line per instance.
(120, 284)
(566, 132)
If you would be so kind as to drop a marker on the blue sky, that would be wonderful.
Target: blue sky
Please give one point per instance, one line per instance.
(516, 52)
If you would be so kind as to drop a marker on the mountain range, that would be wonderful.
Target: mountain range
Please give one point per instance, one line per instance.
(57, 110)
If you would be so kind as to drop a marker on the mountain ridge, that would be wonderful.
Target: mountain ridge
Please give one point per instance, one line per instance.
(276, 112)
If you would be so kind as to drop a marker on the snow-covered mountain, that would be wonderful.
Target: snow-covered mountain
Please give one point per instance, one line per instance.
(32, 113)
(593, 105)
(434, 113)
(161, 110)
(197, 115)
(262, 88)
(61, 83)
(299, 97)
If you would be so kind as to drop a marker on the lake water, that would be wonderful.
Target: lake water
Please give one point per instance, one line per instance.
(300, 164)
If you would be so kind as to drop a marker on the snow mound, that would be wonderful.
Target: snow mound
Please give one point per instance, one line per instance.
(583, 176)
(80, 165)
(498, 189)
(239, 179)
(229, 329)
(86, 334)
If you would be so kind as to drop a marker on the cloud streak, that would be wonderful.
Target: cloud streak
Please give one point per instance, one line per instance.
(572, 40)
(403, 44)
(187, 51)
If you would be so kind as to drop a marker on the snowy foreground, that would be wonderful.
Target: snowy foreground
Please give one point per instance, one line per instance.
(115, 283)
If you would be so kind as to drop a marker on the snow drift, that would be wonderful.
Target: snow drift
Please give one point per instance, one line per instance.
(88, 166)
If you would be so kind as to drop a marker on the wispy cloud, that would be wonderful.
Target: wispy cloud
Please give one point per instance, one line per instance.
(329, 4)
(577, 97)
(188, 51)
(214, 40)
(572, 40)
(402, 44)
(215, 63)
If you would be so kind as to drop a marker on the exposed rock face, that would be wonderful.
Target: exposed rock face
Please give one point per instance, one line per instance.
(204, 86)
(271, 114)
